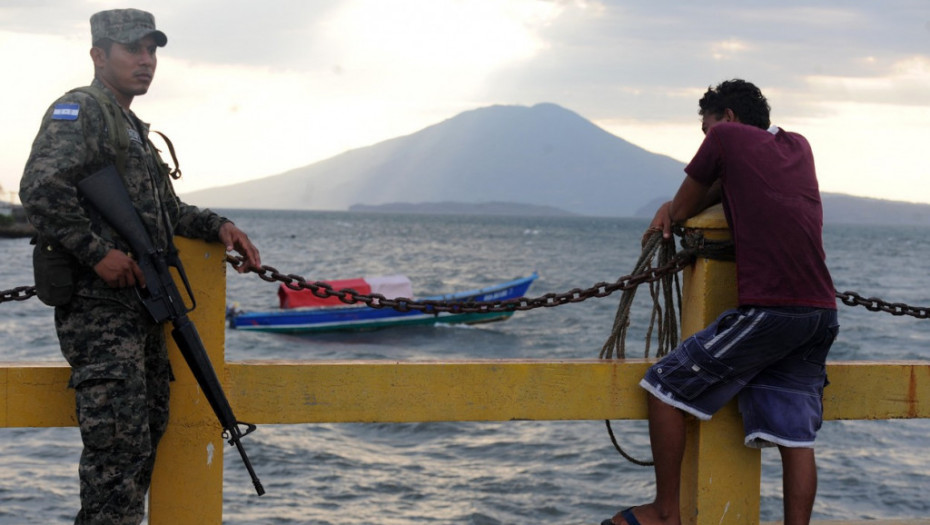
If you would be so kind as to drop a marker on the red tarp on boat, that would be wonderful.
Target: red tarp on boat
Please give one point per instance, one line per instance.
(390, 286)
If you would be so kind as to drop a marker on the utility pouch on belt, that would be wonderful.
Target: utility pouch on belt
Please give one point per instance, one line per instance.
(53, 274)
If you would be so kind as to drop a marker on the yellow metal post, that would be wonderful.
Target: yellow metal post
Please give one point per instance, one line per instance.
(720, 476)
(187, 486)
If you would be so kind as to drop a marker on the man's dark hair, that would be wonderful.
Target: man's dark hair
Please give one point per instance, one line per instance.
(745, 100)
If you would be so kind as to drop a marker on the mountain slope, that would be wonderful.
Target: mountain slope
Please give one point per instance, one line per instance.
(848, 209)
(542, 155)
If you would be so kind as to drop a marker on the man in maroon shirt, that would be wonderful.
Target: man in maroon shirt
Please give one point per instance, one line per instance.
(770, 352)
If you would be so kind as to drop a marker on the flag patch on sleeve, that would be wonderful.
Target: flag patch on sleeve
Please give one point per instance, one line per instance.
(66, 111)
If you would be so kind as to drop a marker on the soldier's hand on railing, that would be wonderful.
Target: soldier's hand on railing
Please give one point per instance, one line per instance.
(236, 240)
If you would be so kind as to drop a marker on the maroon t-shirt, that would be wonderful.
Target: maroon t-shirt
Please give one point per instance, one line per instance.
(772, 203)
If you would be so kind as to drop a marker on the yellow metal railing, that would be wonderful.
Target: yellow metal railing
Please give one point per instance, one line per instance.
(721, 477)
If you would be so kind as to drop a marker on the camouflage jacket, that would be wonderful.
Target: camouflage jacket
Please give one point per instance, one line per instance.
(72, 143)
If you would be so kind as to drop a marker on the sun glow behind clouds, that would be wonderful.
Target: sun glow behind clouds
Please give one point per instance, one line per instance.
(395, 67)
(441, 35)
(869, 130)
(844, 145)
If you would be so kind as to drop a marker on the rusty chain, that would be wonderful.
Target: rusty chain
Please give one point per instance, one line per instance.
(695, 246)
(20, 293)
(874, 304)
(576, 295)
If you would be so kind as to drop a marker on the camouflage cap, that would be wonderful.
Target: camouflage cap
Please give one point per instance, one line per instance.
(124, 26)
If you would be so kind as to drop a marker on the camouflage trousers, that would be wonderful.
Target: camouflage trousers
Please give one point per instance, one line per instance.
(121, 374)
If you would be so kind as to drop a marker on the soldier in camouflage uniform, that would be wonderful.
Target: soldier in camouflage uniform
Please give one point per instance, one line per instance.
(119, 362)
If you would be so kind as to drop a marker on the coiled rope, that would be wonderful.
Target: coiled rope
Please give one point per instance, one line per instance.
(663, 321)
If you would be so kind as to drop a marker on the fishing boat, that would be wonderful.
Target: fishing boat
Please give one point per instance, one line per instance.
(301, 311)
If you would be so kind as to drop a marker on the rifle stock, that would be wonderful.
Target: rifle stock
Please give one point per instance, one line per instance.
(105, 191)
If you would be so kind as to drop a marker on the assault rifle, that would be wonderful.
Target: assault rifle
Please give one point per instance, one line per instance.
(105, 191)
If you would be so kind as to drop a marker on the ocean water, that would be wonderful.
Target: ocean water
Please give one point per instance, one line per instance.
(486, 473)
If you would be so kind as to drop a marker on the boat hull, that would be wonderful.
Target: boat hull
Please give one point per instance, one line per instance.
(359, 318)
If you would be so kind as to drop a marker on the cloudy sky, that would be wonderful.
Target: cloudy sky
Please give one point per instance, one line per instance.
(247, 89)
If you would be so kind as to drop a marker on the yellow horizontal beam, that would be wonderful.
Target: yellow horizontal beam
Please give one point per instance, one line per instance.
(870, 390)
(288, 392)
(36, 394)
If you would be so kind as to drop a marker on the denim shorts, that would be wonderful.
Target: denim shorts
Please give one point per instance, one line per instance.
(773, 358)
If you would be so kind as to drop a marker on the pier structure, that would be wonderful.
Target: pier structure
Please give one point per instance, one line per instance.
(721, 477)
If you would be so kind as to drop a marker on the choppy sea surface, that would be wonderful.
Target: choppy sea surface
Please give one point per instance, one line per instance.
(486, 473)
